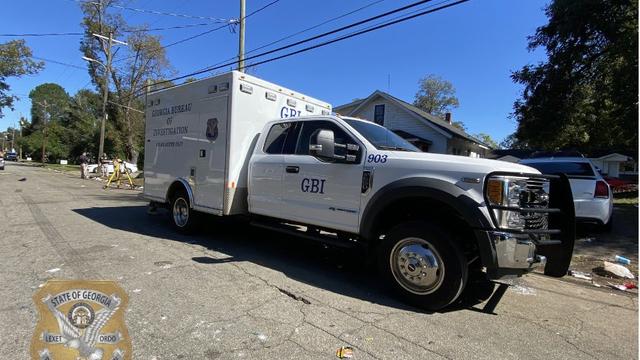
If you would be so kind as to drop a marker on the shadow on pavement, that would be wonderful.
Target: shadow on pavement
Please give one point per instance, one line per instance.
(338, 270)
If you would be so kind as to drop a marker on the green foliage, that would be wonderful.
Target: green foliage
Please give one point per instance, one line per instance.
(487, 139)
(435, 95)
(142, 61)
(585, 95)
(15, 61)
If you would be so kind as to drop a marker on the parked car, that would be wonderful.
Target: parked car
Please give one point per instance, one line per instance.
(592, 195)
(95, 168)
(11, 156)
(1, 163)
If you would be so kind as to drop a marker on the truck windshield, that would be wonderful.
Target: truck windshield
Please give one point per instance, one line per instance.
(381, 137)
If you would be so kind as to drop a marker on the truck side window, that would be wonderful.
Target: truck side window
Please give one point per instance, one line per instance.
(276, 138)
(308, 128)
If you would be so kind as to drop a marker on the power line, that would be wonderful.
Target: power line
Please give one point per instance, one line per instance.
(335, 30)
(325, 43)
(155, 12)
(260, 9)
(59, 63)
(186, 26)
(229, 24)
(304, 31)
(44, 34)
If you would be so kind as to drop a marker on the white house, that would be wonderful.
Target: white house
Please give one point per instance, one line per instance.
(616, 165)
(428, 132)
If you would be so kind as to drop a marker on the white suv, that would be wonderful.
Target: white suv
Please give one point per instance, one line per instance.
(591, 194)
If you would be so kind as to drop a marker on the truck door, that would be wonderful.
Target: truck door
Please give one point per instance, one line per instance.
(267, 169)
(210, 147)
(322, 193)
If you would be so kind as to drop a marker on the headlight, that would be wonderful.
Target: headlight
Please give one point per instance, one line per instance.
(507, 195)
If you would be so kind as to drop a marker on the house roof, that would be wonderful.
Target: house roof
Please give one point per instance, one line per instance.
(431, 119)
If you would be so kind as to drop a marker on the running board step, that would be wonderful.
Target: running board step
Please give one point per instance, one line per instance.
(297, 231)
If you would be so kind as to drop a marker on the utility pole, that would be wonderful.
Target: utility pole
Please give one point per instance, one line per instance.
(105, 96)
(44, 128)
(241, 44)
(13, 138)
(21, 125)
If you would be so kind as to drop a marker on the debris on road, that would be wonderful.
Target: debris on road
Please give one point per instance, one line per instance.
(22, 179)
(53, 271)
(622, 260)
(523, 290)
(618, 270)
(345, 352)
(136, 290)
(580, 275)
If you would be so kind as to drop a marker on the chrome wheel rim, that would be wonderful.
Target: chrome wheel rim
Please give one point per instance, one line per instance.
(417, 266)
(181, 212)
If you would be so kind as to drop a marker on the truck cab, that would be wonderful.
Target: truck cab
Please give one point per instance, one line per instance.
(430, 219)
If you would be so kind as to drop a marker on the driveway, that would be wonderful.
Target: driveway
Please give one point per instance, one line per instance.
(238, 292)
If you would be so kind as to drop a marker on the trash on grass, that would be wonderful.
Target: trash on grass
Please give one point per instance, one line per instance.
(618, 270)
(345, 352)
(580, 275)
(619, 287)
(629, 285)
(622, 260)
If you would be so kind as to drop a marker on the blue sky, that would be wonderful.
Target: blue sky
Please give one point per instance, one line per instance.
(474, 45)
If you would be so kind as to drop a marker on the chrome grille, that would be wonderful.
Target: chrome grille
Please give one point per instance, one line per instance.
(537, 196)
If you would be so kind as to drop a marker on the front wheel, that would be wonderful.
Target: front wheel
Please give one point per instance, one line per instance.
(422, 264)
(184, 218)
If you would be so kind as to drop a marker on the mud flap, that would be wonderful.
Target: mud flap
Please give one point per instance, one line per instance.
(559, 256)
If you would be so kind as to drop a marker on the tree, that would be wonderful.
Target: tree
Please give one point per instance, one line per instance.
(15, 61)
(585, 95)
(435, 95)
(49, 115)
(144, 59)
(487, 139)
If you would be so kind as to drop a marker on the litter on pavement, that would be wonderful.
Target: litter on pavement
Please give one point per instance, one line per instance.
(345, 352)
(622, 260)
(618, 270)
(580, 275)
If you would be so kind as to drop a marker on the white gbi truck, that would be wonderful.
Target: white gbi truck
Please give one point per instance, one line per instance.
(237, 145)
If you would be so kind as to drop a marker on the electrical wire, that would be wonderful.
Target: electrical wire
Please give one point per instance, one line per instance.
(302, 31)
(44, 34)
(59, 63)
(325, 43)
(229, 24)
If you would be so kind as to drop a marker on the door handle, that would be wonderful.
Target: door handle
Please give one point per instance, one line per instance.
(293, 169)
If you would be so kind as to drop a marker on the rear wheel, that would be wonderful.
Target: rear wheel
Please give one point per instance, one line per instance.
(183, 217)
(422, 264)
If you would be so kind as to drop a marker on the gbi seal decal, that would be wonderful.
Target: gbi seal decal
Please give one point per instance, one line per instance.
(81, 320)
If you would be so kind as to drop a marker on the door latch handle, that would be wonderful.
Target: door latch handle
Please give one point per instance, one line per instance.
(293, 169)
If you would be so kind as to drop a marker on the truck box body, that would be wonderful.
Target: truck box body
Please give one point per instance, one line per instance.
(203, 133)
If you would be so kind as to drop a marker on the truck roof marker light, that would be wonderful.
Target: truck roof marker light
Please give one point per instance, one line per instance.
(231, 185)
(223, 86)
(291, 102)
(270, 96)
(245, 88)
(212, 89)
(309, 108)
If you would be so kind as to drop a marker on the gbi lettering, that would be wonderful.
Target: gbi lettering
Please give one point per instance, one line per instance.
(315, 186)
(286, 112)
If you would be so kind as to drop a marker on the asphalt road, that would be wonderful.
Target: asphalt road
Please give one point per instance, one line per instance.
(239, 292)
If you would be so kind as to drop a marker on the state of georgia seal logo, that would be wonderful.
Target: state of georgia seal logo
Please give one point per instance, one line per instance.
(81, 320)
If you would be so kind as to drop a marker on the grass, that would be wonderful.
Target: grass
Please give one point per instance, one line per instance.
(63, 167)
(626, 201)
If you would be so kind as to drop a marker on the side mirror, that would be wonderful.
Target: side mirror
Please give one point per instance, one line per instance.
(322, 144)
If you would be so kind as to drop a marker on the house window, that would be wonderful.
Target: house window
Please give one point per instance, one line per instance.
(378, 114)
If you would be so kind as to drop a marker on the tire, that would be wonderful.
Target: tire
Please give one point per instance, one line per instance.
(183, 218)
(420, 244)
(606, 228)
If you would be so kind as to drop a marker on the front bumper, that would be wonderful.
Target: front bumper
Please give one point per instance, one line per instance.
(514, 252)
